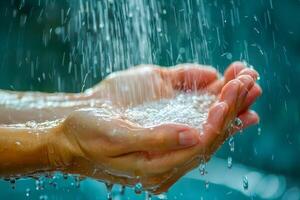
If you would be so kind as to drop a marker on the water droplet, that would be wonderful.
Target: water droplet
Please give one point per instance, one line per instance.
(164, 11)
(39, 184)
(231, 144)
(206, 184)
(109, 187)
(77, 181)
(238, 122)
(12, 182)
(122, 190)
(229, 162)
(245, 183)
(148, 196)
(43, 197)
(258, 131)
(27, 194)
(138, 188)
(202, 168)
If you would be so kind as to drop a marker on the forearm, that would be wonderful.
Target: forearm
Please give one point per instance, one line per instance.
(27, 150)
(20, 107)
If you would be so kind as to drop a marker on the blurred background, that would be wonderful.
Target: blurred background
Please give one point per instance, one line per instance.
(70, 45)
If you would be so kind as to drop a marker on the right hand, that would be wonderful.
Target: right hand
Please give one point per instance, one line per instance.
(107, 147)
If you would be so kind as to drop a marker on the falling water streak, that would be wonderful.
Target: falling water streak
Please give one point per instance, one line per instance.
(109, 187)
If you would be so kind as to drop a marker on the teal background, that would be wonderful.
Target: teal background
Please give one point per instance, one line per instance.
(266, 34)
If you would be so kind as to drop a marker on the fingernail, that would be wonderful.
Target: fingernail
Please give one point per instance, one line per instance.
(187, 138)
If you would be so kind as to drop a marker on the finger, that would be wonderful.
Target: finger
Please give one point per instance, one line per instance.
(233, 70)
(248, 118)
(230, 92)
(214, 125)
(251, 72)
(191, 76)
(166, 137)
(218, 118)
(247, 84)
(253, 94)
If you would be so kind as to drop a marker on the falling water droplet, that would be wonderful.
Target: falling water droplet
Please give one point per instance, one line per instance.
(229, 162)
(202, 168)
(122, 190)
(138, 188)
(258, 131)
(245, 183)
(206, 184)
(12, 183)
(77, 181)
(27, 194)
(148, 196)
(109, 187)
(231, 144)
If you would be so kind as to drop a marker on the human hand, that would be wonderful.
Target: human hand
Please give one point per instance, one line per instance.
(111, 148)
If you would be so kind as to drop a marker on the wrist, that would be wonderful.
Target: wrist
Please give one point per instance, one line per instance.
(59, 149)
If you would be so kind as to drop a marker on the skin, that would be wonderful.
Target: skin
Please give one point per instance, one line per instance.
(84, 134)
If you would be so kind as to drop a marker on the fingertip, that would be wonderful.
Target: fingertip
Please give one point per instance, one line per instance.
(233, 70)
(251, 72)
(247, 81)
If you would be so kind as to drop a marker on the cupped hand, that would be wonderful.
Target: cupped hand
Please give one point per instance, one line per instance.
(109, 147)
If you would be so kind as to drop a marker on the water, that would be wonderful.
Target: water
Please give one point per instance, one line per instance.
(245, 182)
(231, 143)
(138, 188)
(229, 162)
(186, 108)
(109, 187)
(78, 43)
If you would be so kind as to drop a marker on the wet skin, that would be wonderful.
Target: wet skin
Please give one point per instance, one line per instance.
(81, 133)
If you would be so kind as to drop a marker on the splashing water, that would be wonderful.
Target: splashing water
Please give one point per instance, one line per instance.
(186, 108)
